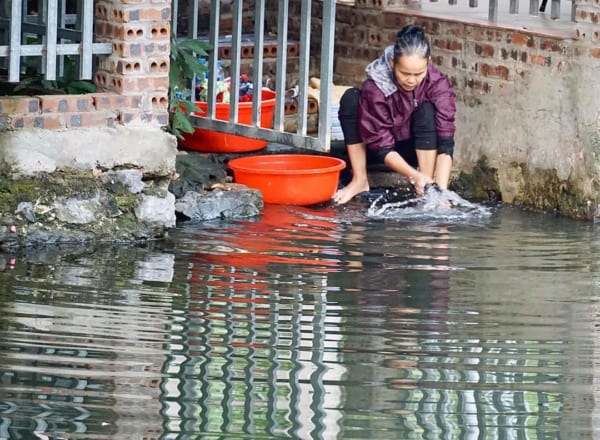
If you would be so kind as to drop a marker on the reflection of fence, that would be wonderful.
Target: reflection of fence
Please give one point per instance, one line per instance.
(254, 365)
(46, 31)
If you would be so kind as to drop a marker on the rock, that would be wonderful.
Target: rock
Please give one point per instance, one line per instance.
(196, 172)
(230, 201)
(26, 210)
(131, 180)
(79, 210)
(156, 209)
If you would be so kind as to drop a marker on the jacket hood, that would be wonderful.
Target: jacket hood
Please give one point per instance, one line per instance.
(380, 72)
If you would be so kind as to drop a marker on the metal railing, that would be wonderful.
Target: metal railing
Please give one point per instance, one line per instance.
(44, 30)
(277, 134)
(535, 7)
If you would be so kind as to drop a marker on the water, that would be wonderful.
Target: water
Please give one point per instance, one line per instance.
(326, 323)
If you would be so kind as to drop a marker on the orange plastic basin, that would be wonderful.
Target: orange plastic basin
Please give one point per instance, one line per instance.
(290, 179)
(214, 142)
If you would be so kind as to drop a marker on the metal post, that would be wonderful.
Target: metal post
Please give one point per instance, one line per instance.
(555, 10)
(236, 54)
(281, 72)
(213, 37)
(51, 38)
(87, 35)
(257, 67)
(304, 53)
(493, 14)
(14, 62)
(327, 51)
(533, 7)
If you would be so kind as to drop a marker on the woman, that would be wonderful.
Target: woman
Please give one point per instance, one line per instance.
(403, 117)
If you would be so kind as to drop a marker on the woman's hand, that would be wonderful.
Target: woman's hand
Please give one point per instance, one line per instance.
(419, 180)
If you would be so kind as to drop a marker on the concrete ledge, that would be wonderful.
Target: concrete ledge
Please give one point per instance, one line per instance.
(29, 152)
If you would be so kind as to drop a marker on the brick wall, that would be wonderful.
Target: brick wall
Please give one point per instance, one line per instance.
(132, 83)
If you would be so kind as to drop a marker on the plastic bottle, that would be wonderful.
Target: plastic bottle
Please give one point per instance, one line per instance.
(203, 61)
(220, 71)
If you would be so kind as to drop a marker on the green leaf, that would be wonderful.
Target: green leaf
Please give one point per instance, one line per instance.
(193, 65)
(200, 48)
(49, 84)
(26, 82)
(83, 86)
(191, 107)
(181, 122)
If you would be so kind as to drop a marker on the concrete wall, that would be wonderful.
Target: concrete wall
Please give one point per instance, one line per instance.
(528, 123)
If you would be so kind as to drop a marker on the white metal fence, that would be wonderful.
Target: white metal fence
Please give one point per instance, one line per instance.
(277, 134)
(513, 8)
(45, 31)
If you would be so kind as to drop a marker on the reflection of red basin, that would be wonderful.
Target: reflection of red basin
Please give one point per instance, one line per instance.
(215, 142)
(290, 179)
(272, 240)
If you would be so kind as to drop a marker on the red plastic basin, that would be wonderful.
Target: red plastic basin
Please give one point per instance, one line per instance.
(214, 142)
(289, 179)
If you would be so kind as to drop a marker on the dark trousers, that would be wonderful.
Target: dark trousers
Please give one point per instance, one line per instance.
(423, 130)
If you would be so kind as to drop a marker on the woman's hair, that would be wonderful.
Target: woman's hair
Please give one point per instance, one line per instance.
(411, 40)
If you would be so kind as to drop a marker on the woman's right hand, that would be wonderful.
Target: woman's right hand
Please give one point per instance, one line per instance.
(419, 181)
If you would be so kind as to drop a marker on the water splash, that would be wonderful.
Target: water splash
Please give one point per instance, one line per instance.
(436, 204)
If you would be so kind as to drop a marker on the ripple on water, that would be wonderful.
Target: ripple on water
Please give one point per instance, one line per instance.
(309, 323)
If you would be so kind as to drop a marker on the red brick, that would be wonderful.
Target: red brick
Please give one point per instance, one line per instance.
(127, 48)
(478, 85)
(109, 101)
(18, 104)
(587, 16)
(438, 60)
(91, 119)
(514, 54)
(101, 10)
(127, 31)
(160, 31)
(452, 45)
(154, 14)
(160, 102)
(550, 45)
(484, 50)
(518, 39)
(65, 103)
(50, 121)
(158, 65)
(129, 66)
(128, 84)
(350, 67)
(595, 52)
(160, 118)
(22, 121)
(541, 60)
(500, 72)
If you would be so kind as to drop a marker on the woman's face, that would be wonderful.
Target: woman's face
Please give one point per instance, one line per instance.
(410, 71)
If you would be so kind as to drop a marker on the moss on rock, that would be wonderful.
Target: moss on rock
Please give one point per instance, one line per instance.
(481, 184)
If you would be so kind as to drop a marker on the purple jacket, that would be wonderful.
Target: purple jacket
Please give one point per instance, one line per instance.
(385, 108)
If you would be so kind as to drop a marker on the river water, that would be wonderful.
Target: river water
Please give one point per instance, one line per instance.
(309, 323)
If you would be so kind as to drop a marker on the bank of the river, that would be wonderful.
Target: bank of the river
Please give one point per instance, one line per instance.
(138, 185)
(117, 184)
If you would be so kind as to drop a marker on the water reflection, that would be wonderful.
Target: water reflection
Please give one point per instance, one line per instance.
(307, 323)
